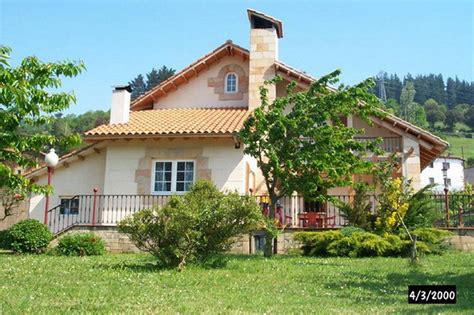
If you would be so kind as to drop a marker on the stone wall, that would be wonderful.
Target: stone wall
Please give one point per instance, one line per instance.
(18, 214)
(115, 242)
(245, 244)
(120, 243)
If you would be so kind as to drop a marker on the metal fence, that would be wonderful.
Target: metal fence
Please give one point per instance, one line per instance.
(457, 209)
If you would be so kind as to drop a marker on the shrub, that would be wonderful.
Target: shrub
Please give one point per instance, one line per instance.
(433, 238)
(29, 236)
(365, 244)
(193, 228)
(4, 239)
(421, 210)
(431, 235)
(359, 244)
(316, 243)
(81, 244)
(349, 230)
(359, 212)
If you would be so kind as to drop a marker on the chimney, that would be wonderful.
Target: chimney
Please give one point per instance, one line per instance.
(120, 111)
(264, 34)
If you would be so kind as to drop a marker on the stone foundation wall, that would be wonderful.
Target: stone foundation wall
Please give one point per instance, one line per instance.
(115, 242)
(245, 244)
(462, 242)
(18, 214)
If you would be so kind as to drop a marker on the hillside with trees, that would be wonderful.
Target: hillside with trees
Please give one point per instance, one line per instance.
(67, 125)
(446, 108)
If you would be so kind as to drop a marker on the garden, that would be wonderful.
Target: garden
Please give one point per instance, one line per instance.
(185, 267)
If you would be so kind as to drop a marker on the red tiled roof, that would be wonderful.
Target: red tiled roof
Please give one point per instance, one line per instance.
(176, 121)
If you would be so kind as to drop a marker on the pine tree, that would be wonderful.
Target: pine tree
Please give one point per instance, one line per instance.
(164, 73)
(451, 93)
(152, 79)
(138, 86)
(155, 77)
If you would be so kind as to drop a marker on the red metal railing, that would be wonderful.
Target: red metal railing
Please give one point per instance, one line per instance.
(97, 209)
(291, 211)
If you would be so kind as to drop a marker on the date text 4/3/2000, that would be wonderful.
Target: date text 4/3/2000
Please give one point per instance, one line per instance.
(432, 294)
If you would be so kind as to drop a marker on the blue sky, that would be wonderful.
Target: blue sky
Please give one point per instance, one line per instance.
(119, 39)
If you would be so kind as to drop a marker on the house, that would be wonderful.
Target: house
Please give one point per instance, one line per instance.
(469, 175)
(453, 179)
(186, 129)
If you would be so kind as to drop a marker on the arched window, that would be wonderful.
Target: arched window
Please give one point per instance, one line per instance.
(231, 83)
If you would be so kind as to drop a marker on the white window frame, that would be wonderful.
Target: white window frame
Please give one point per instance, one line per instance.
(174, 173)
(236, 83)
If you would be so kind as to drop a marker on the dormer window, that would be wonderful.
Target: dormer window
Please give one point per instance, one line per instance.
(231, 83)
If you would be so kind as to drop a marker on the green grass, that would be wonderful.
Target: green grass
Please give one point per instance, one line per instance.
(457, 142)
(248, 284)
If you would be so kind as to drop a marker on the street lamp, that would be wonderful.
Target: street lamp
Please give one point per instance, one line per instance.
(446, 190)
(51, 160)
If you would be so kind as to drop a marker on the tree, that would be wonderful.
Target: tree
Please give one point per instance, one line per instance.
(450, 93)
(28, 99)
(406, 99)
(452, 117)
(310, 149)
(469, 119)
(155, 77)
(392, 106)
(434, 112)
(138, 86)
(410, 110)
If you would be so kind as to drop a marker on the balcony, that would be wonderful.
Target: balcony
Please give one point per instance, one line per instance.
(389, 144)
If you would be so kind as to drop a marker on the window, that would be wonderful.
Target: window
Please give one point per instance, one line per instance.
(69, 206)
(447, 182)
(431, 180)
(231, 83)
(172, 176)
(446, 165)
(431, 165)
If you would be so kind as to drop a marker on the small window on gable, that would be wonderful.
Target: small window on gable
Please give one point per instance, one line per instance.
(231, 83)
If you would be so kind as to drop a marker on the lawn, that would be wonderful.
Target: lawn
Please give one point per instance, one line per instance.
(456, 143)
(249, 284)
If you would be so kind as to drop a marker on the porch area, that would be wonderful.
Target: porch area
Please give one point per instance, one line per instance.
(292, 212)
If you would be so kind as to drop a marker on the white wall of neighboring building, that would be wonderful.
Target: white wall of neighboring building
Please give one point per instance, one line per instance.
(197, 94)
(433, 174)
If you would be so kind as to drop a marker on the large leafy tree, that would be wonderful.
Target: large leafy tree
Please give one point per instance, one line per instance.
(29, 99)
(301, 143)
(434, 112)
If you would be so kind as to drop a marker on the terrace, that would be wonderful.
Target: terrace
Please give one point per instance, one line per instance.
(293, 212)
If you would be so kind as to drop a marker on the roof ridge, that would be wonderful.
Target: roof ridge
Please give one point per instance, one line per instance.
(227, 43)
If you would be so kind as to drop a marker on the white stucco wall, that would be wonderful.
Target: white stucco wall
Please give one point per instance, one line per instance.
(124, 158)
(120, 167)
(455, 173)
(197, 94)
(80, 178)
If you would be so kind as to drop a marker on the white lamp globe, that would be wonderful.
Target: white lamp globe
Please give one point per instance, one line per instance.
(51, 159)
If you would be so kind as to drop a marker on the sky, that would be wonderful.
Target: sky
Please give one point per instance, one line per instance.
(119, 39)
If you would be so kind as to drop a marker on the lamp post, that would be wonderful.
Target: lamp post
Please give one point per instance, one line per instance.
(51, 160)
(446, 190)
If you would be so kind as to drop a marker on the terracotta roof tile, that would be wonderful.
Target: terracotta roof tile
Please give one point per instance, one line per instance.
(180, 121)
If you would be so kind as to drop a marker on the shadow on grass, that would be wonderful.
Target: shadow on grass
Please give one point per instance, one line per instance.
(392, 288)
